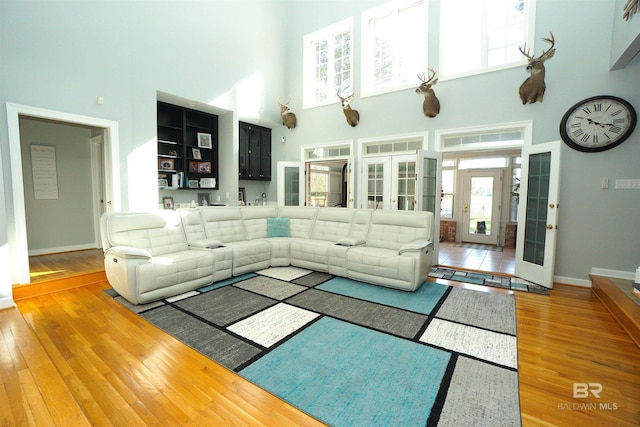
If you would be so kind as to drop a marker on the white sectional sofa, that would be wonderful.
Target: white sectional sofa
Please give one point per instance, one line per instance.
(155, 255)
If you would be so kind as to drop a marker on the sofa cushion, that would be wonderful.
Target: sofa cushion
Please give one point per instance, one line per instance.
(278, 227)
(393, 229)
(255, 220)
(332, 224)
(301, 220)
(158, 233)
(224, 224)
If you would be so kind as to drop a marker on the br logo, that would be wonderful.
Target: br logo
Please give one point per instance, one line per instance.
(582, 390)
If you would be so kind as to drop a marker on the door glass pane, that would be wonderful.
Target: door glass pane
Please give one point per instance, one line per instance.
(429, 190)
(480, 205)
(406, 186)
(291, 186)
(537, 200)
(375, 185)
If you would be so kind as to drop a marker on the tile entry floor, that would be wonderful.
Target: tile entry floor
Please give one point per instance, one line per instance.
(477, 259)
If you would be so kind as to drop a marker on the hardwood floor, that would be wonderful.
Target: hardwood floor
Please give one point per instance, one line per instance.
(76, 357)
(65, 264)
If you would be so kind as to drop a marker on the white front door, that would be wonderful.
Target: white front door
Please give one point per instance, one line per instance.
(481, 206)
(291, 184)
(538, 213)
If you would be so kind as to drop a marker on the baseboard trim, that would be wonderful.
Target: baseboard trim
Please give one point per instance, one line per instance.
(618, 274)
(572, 281)
(6, 302)
(56, 285)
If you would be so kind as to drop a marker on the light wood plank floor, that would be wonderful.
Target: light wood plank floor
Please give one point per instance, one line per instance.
(64, 264)
(76, 357)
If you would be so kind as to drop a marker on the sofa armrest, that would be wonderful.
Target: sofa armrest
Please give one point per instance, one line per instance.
(206, 244)
(415, 246)
(350, 242)
(129, 252)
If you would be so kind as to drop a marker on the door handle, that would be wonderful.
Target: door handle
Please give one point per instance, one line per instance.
(466, 208)
(550, 227)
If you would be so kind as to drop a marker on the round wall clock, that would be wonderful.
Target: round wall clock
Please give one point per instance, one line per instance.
(598, 123)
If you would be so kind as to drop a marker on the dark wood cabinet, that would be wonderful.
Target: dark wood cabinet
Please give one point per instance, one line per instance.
(255, 152)
(187, 148)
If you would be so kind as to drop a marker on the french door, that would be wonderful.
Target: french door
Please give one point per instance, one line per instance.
(538, 213)
(403, 182)
(291, 183)
(481, 196)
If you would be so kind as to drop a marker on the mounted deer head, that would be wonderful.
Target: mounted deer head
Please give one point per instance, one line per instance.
(288, 118)
(532, 90)
(431, 104)
(353, 117)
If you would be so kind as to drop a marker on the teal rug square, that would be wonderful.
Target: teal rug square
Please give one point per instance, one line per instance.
(348, 375)
(421, 301)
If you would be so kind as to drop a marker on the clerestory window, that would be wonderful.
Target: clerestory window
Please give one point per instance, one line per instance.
(328, 64)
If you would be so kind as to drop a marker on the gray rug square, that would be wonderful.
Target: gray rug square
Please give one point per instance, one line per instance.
(225, 305)
(272, 288)
(383, 318)
(481, 394)
(225, 349)
(313, 279)
(482, 309)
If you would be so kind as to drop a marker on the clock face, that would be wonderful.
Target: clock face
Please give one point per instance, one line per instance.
(598, 123)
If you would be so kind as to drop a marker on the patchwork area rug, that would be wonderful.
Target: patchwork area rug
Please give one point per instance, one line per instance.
(486, 279)
(354, 354)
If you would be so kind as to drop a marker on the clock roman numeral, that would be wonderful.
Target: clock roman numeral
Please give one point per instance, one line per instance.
(585, 137)
(615, 129)
(597, 107)
(618, 121)
(615, 113)
(578, 132)
(594, 139)
(586, 110)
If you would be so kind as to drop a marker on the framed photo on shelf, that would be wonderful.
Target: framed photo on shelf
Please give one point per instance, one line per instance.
(163, 182)
(166, 164)
(204, 167)
(195, 152)
(204, 140)
(167, 202)
(193, 166)
(203, 199)
(173, 153)
(207, 183)
(193, 183)
(242, 197)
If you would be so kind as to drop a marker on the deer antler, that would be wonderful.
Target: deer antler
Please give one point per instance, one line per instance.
(630, 8)
(286, 104)
(432, 74)
(545, 53)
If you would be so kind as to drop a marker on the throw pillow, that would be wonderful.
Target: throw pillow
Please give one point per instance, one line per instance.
(277, 227)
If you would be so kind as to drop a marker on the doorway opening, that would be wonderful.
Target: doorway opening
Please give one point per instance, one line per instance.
(17, 232)
(327, 183)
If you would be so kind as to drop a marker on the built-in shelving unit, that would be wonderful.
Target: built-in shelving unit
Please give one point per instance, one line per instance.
(187, 148)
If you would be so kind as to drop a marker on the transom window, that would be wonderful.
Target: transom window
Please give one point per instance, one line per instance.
(483, 35)
(328, 63)
(394, 45)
